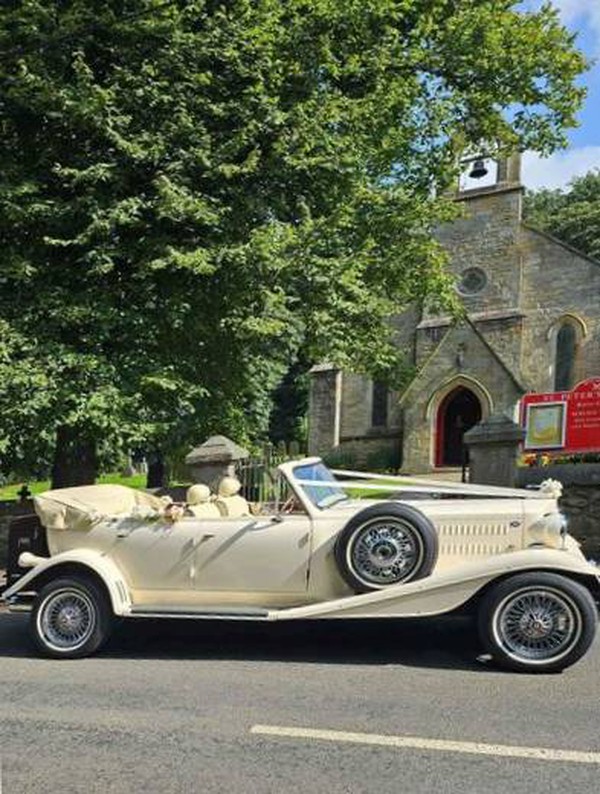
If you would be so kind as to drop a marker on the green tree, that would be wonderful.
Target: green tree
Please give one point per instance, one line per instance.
(572, 215)
(196, 193)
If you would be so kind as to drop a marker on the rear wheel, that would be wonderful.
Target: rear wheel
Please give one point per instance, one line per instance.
(71, 618)
(537, 622)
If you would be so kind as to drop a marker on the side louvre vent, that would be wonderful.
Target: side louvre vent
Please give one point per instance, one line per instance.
(474, 539)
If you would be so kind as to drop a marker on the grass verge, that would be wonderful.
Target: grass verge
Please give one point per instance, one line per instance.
(10, 492)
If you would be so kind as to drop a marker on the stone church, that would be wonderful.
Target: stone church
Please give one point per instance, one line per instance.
(532, 324)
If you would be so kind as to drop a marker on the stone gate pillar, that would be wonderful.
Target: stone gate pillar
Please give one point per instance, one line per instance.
(493, 449)
(324, 409)
(214, 459)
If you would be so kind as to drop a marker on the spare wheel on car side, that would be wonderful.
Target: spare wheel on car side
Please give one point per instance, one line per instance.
(386, 544)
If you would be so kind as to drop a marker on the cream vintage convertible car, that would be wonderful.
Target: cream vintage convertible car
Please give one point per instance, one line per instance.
(317, 551)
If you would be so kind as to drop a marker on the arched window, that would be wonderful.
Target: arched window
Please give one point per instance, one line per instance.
(379, 405)
(566, 357)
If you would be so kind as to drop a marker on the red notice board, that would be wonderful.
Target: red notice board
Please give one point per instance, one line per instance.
(568, 421)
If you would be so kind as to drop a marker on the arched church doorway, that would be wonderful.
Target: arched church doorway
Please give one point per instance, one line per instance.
(458, 412)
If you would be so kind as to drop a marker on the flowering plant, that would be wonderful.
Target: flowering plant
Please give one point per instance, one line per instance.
(535, 459)
(144, 513)
(173, 512)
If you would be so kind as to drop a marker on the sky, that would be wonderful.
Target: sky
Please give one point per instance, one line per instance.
(583, 154)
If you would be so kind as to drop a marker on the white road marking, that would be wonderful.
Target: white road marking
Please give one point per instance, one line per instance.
(422, 743)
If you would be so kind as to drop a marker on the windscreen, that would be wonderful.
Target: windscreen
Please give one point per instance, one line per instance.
(322, 496)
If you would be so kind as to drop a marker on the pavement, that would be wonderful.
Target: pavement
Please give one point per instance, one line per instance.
(180, 706)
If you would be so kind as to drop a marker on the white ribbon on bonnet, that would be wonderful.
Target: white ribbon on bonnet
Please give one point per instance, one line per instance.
(552, 488)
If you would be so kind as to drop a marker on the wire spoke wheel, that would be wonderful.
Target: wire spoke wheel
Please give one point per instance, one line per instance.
(385, 552)
(67, 619)
(537, 624)
(71, 617)
(537, 621)
(386, 544)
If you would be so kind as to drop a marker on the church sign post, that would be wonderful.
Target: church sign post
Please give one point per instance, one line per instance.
(567, 421)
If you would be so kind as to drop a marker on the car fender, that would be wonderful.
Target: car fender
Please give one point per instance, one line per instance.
(92, 560)
(448, 590)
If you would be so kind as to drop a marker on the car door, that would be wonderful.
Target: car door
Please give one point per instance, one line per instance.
(255, 559)
(261, 559)
(157, 555)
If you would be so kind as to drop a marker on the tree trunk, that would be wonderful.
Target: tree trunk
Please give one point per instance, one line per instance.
(75, 461)
(157, 471)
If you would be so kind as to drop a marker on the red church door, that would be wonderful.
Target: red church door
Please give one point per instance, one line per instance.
(458, 412)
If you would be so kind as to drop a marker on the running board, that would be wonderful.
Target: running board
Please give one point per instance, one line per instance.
(205, 612)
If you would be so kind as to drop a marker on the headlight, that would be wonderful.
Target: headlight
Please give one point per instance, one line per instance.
(549, 530)
(564, 527)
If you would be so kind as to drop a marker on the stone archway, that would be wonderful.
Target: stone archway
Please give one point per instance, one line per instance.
(457, 412)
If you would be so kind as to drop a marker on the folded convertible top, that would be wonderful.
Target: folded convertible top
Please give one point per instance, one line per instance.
(79, 508)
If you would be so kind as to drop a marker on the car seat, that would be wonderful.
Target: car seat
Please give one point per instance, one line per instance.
(228, 500)
(199, 504)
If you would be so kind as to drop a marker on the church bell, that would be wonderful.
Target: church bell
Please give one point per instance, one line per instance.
(478, 170)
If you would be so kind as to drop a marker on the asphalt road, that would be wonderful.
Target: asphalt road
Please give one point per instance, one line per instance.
(174, 707)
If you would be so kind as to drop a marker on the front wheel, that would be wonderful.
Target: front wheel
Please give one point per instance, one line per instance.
(71, 618)
(537, 622)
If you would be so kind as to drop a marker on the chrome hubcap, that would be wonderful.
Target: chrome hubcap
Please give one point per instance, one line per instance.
(538, 625)
(385, 552)
(66, 619)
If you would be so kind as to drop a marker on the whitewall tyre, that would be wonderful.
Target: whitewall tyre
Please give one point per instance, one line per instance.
(537, 622)
(386, 544)
(71, 618)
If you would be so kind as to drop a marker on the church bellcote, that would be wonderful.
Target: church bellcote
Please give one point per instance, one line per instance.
(481, 174)
(487, 183)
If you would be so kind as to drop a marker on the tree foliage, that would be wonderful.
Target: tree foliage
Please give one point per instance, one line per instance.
(194, 193)
(572, 215)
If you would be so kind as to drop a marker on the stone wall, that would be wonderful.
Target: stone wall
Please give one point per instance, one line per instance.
(580, 500)
(504, 334)
(357, 399)
(491, 237)
(375, 453)
(356, 409)
(558, 282)
(487, 237)
(8, 510)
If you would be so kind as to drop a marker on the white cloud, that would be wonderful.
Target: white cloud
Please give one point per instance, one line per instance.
(560, 168)
(577, 15)
(582, 13)
(571, 9)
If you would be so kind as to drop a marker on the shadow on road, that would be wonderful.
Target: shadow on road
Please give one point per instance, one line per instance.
(444, 643)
